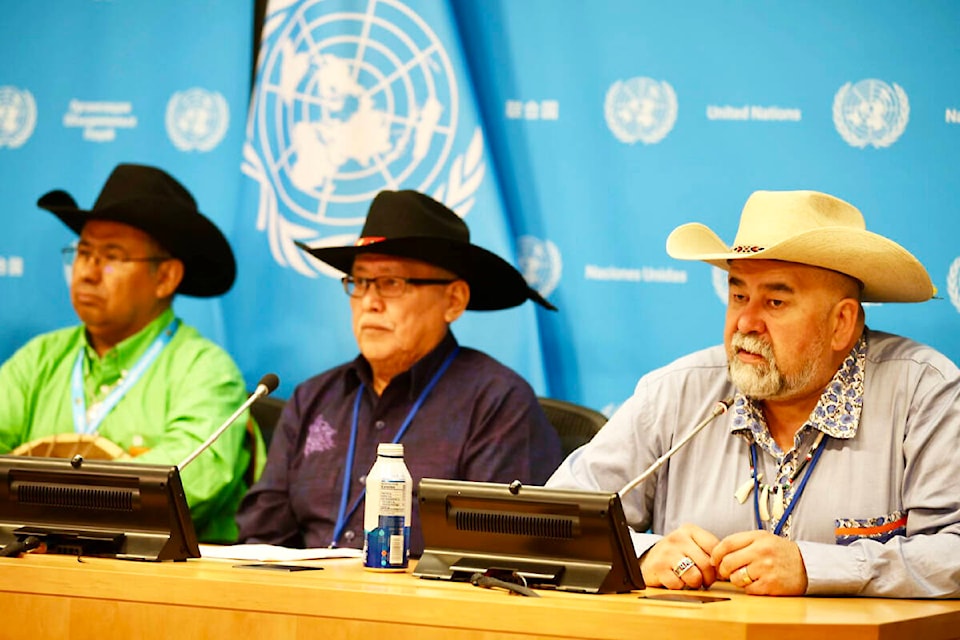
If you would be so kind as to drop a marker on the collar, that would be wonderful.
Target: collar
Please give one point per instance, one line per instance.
(413, 379)
(837, 413)
(126, 352)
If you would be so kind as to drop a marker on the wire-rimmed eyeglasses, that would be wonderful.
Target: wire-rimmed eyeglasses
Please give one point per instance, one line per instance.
(109, 258)
(386, 286)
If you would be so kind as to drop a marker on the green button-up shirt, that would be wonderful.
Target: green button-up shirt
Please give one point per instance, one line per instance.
(182, 397)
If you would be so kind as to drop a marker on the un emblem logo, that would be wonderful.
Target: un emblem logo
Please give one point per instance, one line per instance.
(350, 103)
(18, 116)
(197, 119)
(870, 112)
(640, 109)
(540, 264)
(953, 283)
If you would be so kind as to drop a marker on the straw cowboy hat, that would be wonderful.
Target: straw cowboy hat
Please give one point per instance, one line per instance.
(154, 202)
(812, 228)
(409, 224)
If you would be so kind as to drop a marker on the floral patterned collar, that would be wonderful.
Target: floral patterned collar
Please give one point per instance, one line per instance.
(837, 413)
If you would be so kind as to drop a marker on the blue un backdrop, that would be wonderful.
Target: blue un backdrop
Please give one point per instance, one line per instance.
(571, 135)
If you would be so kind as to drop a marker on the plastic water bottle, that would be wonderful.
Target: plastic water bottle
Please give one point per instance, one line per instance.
(386, 517)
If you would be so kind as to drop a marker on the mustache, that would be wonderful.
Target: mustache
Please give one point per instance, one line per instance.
(753, 344)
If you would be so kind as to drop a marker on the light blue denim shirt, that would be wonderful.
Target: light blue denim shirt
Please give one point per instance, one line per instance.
(880, 514)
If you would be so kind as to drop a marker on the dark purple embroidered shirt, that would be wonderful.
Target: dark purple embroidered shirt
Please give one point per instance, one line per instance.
(481, 422)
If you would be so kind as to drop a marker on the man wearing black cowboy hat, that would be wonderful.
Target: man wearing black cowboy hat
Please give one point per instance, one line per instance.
(459, 413)
(132, 373)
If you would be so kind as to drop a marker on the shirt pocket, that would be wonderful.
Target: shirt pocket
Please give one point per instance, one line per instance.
(879, 528)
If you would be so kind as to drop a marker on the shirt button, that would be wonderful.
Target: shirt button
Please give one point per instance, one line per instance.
(349, 535)
(362, 479)
(380, 424)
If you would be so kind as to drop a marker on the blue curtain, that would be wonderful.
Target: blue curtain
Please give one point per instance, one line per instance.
(571, 135)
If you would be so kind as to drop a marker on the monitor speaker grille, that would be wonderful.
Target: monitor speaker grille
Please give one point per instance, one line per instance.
(516, 524)
(56, 495)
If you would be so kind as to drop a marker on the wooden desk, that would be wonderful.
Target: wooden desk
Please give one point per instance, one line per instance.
(58, 597)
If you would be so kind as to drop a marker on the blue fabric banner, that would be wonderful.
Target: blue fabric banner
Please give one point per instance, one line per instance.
(352, 98)
(95, 83)
(571, 135)
(614, 122)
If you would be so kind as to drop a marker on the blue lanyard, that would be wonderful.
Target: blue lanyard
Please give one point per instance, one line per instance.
(80, 418)
(796, 495)
(343, 515)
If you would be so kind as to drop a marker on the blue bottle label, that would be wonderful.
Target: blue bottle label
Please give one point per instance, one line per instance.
(387, 546)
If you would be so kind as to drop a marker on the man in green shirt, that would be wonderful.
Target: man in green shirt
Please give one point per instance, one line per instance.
(133, 373)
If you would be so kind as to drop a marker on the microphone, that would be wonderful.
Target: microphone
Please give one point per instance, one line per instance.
(719, 409)
(268, 383)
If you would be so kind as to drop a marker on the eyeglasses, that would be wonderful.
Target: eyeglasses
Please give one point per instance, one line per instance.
(109, 258)
(387, 286)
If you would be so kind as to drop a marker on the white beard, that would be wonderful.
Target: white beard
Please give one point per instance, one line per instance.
(765, 381)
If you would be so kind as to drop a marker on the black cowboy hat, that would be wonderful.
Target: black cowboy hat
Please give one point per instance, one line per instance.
(154, 202)
(409, 224)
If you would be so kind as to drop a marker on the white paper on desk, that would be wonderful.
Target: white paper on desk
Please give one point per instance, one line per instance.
(272, 553)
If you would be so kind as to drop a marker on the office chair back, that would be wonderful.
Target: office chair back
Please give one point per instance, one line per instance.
(575, 424)
(266, 411)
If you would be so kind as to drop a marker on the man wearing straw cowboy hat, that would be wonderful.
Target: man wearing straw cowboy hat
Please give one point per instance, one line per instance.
(459, 413)
(835, 469)
(132, 373)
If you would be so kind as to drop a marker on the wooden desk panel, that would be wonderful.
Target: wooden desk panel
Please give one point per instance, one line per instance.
(97, 599)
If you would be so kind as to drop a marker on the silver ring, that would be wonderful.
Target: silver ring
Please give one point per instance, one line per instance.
(686, 563)
(745, 575)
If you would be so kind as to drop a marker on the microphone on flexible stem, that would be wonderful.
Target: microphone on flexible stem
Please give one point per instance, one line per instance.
(268, 383)
(719, 409)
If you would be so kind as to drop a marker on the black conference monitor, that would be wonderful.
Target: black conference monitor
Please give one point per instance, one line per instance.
(96, 508)
(554, 538)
